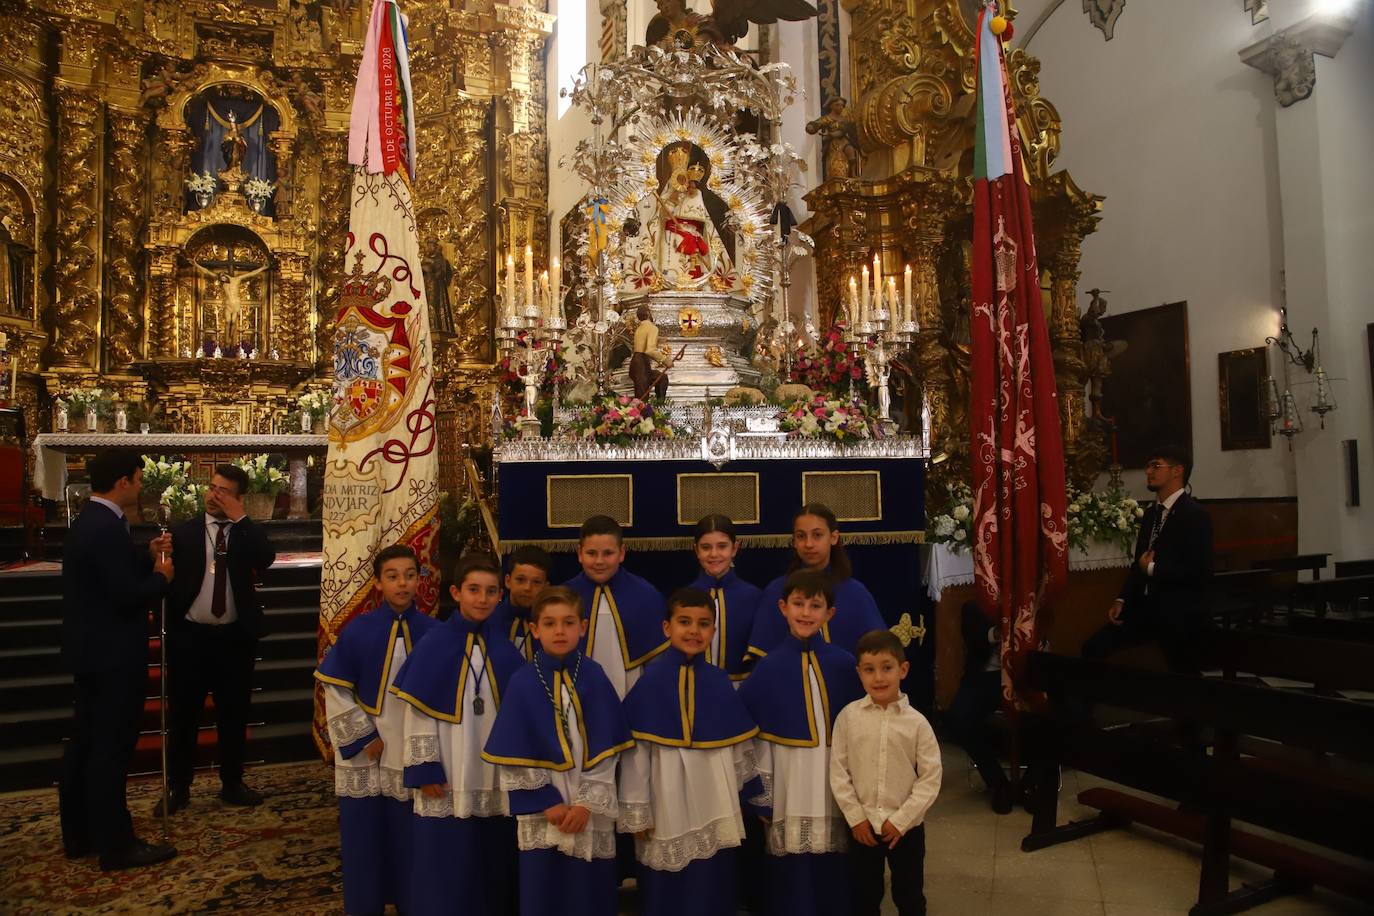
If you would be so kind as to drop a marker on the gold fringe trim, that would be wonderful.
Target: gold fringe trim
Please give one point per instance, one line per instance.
(859, 538)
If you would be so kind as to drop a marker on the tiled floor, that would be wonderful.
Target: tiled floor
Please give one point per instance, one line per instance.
(974, 863)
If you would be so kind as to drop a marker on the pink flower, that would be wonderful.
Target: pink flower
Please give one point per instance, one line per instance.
(624, 399)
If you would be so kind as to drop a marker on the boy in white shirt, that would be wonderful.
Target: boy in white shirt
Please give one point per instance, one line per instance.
(885, 775)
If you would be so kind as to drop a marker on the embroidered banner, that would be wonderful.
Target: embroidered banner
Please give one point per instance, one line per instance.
(381, 472)
(1020, 532)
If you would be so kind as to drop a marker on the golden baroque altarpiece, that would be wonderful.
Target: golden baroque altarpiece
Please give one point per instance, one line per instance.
(116, 274)
(119, 275)
(912, 75)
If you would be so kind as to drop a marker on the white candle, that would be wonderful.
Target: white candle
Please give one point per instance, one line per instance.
(529, 276)
(906, 301)
(863, 295)
(877, 280)
(14, 374)
(556, 306)
(510, 286)
(548, 297)
(852, 302)
(894, 307)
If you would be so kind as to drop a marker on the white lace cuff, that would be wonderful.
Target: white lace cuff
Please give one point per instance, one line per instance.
(349, 726)
(517, 778)
(800, 835)
(634, 817)
(596, 797)
(422, 749)
(356, 782)
(676, 853)
(473, 803)
(533, 831)
(765, 800)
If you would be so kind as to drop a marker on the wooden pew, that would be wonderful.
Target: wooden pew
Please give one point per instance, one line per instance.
(1345, 592)
(1354, 568)
(1240, 596)
(1297, 797)
(1328, 664)
(1313, 562)
(1332, 628)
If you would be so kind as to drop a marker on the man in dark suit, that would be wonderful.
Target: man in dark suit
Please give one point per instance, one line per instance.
(979, 696)
(214, 622)
(108, 587)
(1163, 598)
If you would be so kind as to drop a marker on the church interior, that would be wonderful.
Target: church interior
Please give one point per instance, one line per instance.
(670, 259)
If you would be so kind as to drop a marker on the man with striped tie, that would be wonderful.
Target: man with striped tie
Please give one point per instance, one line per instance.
(1163, 598)
(214, 622)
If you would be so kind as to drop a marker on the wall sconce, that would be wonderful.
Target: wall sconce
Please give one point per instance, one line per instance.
(1282, 409)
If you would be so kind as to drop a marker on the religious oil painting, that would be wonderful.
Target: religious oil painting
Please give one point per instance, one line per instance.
(1240, 396)
(1147, 393)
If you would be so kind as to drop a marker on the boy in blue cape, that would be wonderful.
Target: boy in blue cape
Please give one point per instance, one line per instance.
(680, 785)
(556, 742)
(794, 694)
(816, 546)
(365, 728)
(528, 575)
(624, 612)
(452, 687)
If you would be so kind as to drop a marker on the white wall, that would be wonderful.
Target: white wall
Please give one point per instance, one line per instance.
(1170, 126)
(564, 133)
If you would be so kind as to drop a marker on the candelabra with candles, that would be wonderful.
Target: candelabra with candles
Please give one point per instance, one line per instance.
(531, 329)
(880, 326)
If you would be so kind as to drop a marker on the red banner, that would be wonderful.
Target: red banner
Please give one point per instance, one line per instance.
(1020, 531)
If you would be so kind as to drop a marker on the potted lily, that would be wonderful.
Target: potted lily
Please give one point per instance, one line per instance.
(203, 186)
(265, 481)
(258, 191)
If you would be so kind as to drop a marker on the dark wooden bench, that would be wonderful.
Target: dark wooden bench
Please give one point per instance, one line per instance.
(1241, 596)
(1332, 628)
(1345, 592)
(1354, 568)
(1312, 562)
(1328, 664)
(1295, 795)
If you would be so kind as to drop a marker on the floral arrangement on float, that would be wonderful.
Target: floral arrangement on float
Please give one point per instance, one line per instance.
(822, 417)
(1109, 517)
(184, 500)
(265, 481)
(555, 368)
(621, 419)
(826, 365)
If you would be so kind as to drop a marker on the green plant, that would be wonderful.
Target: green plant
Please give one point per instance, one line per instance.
(162, 472)
(81, 400)
(185, 500)
(263, 476)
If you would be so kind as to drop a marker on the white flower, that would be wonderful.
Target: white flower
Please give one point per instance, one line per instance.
(1139, 513)
(646, 427)
(960, 512)
(959, 535)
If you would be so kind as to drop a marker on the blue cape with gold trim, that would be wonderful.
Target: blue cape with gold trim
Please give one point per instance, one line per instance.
(856, 613)
(778, 692)
(361, 658)
(638, 610)
(515, 623)
(681, 702)
(527, 733)
(434, 677)
(741, 600)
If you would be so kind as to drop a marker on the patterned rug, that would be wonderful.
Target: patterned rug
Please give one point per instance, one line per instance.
(281, 857)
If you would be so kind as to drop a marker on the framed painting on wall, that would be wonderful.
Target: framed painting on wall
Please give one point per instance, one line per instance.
(1240, 396)
(1148, 393)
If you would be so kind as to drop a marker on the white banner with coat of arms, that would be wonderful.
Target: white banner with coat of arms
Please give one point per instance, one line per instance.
(381, 473)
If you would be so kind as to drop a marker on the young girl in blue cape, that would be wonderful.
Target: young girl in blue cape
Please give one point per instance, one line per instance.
(734, 599)
(463, 855)
(680, 785)
(365, 728)
(556, 742)
(816, 546)
(794, 694)
(624, 612)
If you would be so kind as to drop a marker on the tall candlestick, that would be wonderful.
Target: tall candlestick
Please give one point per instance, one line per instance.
(877, 280)
(529, 275)
(906, 300)
(853, 301)
(510, 234)
(863, 296)
(894, 307)
(548, 297)
(556, 306)
(510, 286)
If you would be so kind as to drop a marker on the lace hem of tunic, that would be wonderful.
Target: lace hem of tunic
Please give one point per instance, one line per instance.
(532, 832)
(472, 803)
(364, 782)
(765, 798)
(676, 853)
(634, 817)
(597, 797)
(514, 779)
(349, 726)
(422, 749)
(746, 767)
(802, 835)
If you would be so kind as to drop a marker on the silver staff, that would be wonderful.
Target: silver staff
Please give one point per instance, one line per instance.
(164, 513)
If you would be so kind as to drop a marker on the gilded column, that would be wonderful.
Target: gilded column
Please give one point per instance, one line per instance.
(471, 236)
(77, 306)
(165, 336)
(1065, 339)
(123, 334)
(291, 323)
(333, 230)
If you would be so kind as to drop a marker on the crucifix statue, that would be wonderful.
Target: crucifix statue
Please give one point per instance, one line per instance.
(230, 330)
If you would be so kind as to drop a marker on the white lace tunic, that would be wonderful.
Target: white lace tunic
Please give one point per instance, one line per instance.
(360, 776)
